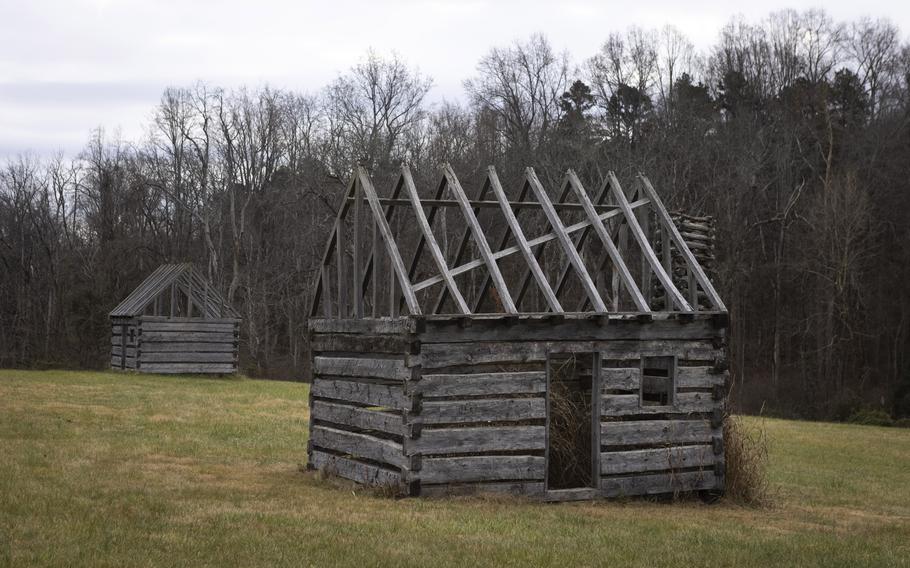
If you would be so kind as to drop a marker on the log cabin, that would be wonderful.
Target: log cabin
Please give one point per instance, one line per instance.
(175, 321)
(561, 344)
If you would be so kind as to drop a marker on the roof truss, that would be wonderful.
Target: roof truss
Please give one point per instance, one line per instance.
(363, 271)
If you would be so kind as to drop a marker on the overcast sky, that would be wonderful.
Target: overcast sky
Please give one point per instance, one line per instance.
(68, 66)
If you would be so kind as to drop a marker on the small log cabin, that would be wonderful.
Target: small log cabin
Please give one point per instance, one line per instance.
(175, 322)
(562, 345)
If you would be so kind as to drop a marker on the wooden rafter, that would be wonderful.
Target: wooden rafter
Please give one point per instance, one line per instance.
(611, 222)
(535, 242)
(481, 240)
(667, 222)
(391, 247)
(430, 240)
(563, 237)
(619, 264)
(639, 236)
(522, 242)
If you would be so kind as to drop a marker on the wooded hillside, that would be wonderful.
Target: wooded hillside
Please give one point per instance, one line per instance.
(793, 132)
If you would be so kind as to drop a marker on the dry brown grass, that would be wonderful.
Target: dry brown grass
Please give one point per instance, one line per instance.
(747, 478)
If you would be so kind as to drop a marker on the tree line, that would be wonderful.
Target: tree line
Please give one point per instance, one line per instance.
(792, 132)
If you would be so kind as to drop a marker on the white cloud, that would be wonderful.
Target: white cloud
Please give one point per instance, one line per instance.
(67, 66)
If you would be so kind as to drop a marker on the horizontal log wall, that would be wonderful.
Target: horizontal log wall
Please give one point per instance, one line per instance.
(450, 406)
(483, 403)
(187, 345)
(361, 413)
(124, 343)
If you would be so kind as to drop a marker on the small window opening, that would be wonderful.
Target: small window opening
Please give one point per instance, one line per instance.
(132, 335)
(657, 378)
(570, 461)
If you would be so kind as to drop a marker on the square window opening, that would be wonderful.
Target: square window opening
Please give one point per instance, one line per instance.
(658, 378)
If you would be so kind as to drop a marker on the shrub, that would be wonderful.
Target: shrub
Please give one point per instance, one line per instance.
(902, 423)
(869, 416)
(746, 476)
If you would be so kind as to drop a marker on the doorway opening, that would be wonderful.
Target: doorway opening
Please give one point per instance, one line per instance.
(572, 426)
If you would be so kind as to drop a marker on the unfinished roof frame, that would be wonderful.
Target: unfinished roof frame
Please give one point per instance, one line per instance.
(611, 216)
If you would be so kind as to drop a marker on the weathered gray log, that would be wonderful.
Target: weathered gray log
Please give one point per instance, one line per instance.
(653, 432)
(576, 329)
(166, 319)
(481, 468)
(698, 377)
(382, 326)
(630, 404)
(188, 368)
(368, 474)
(473, 440)
(175, 357)
(530, 489)
(171, 337)
(357, 343)
(358, 417)
(482, 410)
(188, 347)
(657, 484)
(196, 326)
(358, 445)
(393, 369)
(118, 351)
(438, 355)
(390, 396)
(483, 384)
(622, 378)
(657, 459)
(117, 360)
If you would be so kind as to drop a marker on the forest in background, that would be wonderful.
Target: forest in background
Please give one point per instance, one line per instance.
(792, 132)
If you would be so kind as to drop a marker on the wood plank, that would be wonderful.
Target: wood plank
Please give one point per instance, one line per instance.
(382, 326)
(173, 336)
(365, 473)
(188, 368)
(600, 230)
(208, 321)
(351, 343)
(569, 229)
(482, 410)
(626, 378)
(630, 404)
(439, 355)
(393, 369)
(657, 484)
(522, 242)
(480, 240)
(481, 468)
(178, 357)
(681, 245)
(358, 417)
(698, 377)
(474, 440)
(645, 246)
(188, 327)
(542, 329)
(657, 459)
(389, 396)
(188, 347)
(477, 384)
(389, 239)
(118, 351)
(529, 489)
(568, 246)
(436, 253)
(358, 445)
(653, 432)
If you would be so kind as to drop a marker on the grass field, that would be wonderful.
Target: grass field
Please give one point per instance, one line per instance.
(111, 470)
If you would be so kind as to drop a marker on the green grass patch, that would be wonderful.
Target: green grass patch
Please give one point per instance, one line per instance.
(107, 469)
